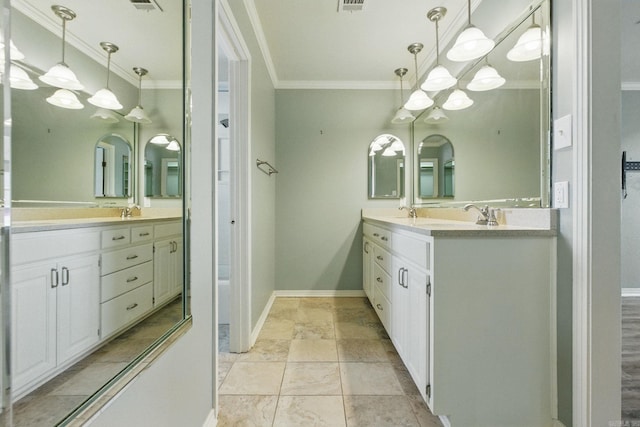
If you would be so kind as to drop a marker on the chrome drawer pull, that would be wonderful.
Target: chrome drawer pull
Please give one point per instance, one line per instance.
(54, 278)
(132, 279)
(379, 307)
(118, 238)
(65, 276)
(132, 306)
(143, 234)
(376, 235)
(130, 257)
(379, 279)
(384, 238)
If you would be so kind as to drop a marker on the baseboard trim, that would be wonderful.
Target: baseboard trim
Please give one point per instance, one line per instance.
(631, 292)
(319, 294)
(212, 419)
(557, 423)
(445, 420)
(262, 318)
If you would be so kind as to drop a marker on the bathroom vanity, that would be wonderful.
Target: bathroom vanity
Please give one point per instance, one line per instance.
(80, 282)
(471, 311)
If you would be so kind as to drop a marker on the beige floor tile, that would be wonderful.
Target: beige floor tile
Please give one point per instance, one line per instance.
(379, 411)
(326, 303)
(121, 350)
(316, 411)
(267, 350)
(367, 378)
(422, 412)
(360, 330)
(43, 411)
(309, 379)
(283, 314)
(262, 378)
(314, 314)
(249, 411)
(223, 370)
(405, 380)
(313, 351)
(355, 350)
(283, 303)
(352, 302)
(89, 379)
(355, 314)
(277, 329)
(314, 331)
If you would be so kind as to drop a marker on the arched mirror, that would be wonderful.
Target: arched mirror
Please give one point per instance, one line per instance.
(386, 167)
(162, 165)
(434, 168)
(113, 167)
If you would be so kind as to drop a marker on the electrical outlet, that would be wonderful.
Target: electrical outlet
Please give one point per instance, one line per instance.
(561, 195)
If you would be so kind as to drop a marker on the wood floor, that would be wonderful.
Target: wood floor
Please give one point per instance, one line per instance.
(631, 359)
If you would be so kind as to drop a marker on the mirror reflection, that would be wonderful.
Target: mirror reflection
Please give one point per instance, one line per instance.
(386, 167)
(113, 167)
(162, 171)
(436, 167)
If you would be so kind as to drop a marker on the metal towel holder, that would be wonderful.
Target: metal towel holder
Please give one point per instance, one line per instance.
(269, 171)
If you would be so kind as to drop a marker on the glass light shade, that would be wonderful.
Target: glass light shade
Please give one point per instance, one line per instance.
(438, 79)
(173, 146)
(397, 146)
(402, 116)
(528, 47)
(436, 116)
(19, 79)
(138, 115)
(458, 100)
(14, 52)
(389, 152)
(104, 98)
(486, 78)
(375, 146)
(65, 99)
(107, 116)
(160, 139)
(61, 76)
(470, 44)
(418, 100)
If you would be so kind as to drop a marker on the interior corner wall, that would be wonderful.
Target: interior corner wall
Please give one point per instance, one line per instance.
(263, 187)
(323, 139)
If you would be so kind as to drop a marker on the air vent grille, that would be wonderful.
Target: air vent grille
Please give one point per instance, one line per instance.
(146, 5)
(350, 5)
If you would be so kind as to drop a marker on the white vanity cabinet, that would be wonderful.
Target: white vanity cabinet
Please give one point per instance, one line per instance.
(55, 295)
(168, 262)
(367, 268)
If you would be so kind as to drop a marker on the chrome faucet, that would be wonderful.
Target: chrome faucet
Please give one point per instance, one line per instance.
(412, 211)
(486, 215)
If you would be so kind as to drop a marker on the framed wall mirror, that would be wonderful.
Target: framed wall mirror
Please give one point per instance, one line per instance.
(162, 167)
(502, 139)
(386, 167)
(435, 166)
(113, 167)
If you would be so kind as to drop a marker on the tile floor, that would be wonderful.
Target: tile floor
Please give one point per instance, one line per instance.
(631, 360)
(50, 403)
(319, 362)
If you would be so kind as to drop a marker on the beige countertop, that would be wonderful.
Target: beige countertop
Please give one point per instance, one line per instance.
(27, 226)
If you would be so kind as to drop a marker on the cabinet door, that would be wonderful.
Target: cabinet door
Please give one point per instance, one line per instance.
(78, 305)
(178, 269)
(162, 271)
(33, 322)
(417, 326)
(367, 266)
(398, 299)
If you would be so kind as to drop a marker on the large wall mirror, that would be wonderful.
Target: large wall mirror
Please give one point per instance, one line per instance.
(502, 140)
(386, 167)
(68, 156)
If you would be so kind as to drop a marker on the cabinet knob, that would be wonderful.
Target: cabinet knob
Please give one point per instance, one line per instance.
(379, 307)
(384, 238)
(376, 235)
(379, 279)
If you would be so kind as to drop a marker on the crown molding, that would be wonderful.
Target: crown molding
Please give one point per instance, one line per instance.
(256, 24)
(630, 86)
(346, 85)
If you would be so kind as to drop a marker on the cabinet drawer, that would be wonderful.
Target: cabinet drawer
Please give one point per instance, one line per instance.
(377, 234)
(142, 234)
(382, 280)
(122, 281)
(127, 257)
(168, 229)
(415, 250)
(40, 245)
(124, 309)
(382, 307)
(115, 237)
(382, 258)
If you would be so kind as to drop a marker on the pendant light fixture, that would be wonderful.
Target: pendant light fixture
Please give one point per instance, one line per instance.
(64, 98)
(104, 98)
(486, 78)
(19, 79)
(137, 114)
(436, 116)
(402, 115)
(529, 44)
(439, 77)
(471, 43)
(60, 75)
(160, 139)
(389, 152)
(106, 116)
(173, 146)
(418, 100)
(458, 100)
(14, 52)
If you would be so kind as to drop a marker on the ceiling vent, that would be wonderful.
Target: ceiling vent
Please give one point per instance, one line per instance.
(350, 5)
(146, 5)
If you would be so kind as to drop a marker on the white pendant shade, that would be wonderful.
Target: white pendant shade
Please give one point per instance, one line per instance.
(160, 139)
(470, 44)
(107, 116)
(397, 145)
(173, 146)
(402, 116)
(372, 153)
(458, 100)
(61, 76)
(418, 100)
(104, 98)
(65, 99)
(14, 52)
(137, 115)
(436, 116)
(528, 46)
(19, 79)
(438, 79)
(389, 152)
(486, 78)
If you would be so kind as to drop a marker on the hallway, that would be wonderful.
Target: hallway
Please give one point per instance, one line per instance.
(319, 362)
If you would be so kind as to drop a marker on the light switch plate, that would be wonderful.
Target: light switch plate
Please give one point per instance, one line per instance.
(562, 135)
(561, 195)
